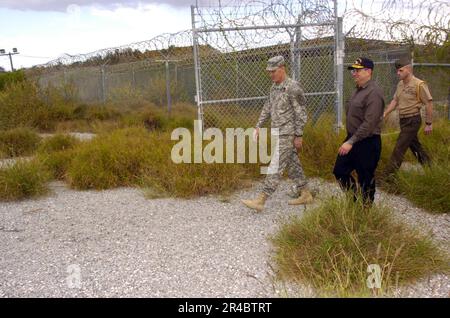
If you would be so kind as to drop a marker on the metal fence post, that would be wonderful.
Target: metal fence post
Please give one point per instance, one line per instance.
(448, 103)
(198, 96)
(176, 74)
(103, 86)
(169, 97)
(237, 78)
(340, 53)
(297, 54)
(133, 79)
(292, 57)
(65, 84)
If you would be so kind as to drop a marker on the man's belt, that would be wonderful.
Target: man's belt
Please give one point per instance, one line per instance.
(409, 115)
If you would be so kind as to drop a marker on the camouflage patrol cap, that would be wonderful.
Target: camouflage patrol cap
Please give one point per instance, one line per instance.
(402, 62)
(275, 62)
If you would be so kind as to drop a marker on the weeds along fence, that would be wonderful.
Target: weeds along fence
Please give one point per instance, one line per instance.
(162, 82)
(159, 70)
(239, 77)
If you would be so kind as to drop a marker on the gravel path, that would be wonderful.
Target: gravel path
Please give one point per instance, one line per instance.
(116, 243)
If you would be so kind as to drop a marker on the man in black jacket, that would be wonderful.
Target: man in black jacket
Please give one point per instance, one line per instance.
(361, 149)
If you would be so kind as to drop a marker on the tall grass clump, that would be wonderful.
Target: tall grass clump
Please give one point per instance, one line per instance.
(58, 142)
(136, 157)
(331, 247)
(23, 104)
(110, 160)
(56, 153)
(158, 118)
(190, 180)
(427, 187)
(137, 114)
(19, 103)
(18, 142)
(320, 147)
(23, 180)
(437, 144)
(11, 77)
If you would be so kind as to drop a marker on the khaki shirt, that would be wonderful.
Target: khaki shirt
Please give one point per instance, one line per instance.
(408, 102)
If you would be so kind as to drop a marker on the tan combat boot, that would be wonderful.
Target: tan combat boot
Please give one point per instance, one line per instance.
(305, 198)
(258, 203)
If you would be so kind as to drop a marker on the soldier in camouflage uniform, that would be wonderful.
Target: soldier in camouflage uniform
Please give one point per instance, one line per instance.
(286, 107)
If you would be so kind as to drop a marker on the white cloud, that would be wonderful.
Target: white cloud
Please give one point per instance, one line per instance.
(85, 29)
(61, 5)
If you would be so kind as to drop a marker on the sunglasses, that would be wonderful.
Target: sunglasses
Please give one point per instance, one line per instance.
(354, 71)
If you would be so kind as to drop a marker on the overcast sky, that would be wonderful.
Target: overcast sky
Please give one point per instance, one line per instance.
(61, 5)
(43, 30)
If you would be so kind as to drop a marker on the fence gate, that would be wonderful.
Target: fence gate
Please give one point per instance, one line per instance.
(232, 45)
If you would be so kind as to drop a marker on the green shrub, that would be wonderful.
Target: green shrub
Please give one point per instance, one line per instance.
(331, 247)
(155, 118)
(23, 180)
(420, 185)
(10, 78)
(56, 153)
(428, 189)
(18, 105)
(57, 163)
(437, 144)
(56, 143)
(134, 156)
(24, 104)
(18, 142)
(101, 112)
(110, 160)
(320, 148)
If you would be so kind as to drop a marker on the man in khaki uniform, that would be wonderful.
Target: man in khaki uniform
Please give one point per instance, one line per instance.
(411, 94)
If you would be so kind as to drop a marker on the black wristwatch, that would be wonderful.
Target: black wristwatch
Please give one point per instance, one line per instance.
(428, 124)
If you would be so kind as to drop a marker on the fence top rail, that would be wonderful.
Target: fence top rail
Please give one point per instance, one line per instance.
(243, 99)
(414, 64)
(431, 64)
(259, 27)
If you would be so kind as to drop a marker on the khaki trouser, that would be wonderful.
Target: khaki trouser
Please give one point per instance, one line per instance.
(408, 139)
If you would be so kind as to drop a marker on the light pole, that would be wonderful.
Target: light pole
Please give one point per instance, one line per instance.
(2, 53)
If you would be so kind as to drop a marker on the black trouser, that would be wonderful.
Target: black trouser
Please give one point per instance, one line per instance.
(407, 139)
(363, 157)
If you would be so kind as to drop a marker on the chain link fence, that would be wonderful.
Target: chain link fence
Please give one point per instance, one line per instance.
(232, 83)
(437, 76)
(160, 82)
(159, 70)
